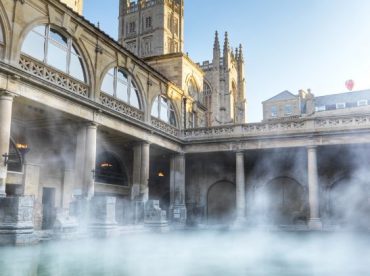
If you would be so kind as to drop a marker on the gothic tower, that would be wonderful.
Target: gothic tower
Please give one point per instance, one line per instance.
(152, 27)
(226, 77)
(75, 5)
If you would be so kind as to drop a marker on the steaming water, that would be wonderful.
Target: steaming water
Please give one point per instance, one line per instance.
(196, 253)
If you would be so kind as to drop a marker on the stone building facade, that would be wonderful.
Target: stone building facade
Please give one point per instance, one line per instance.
(154, 30)
(83, 120)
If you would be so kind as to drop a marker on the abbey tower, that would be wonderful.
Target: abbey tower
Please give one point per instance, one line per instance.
(151, 27)
(154, 30)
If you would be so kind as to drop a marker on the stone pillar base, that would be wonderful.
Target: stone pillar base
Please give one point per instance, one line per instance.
(178, 215)
(155, 218)
(138, 211)
(16, 221)
(102, 223)
(315, 224)
(65, 226)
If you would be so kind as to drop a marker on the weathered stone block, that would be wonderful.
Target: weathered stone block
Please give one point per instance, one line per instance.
(155, 218)
(16, 220)
(102, 222)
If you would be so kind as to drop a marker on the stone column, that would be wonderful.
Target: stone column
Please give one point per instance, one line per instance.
(68, 180)
(6, 104)
(240, 187)
(177, 189)
(90, 160)
(144, 171)
(314, 222)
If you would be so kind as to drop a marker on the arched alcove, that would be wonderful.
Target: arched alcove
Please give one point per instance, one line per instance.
(281, 201)
(221, 199)
(110, 170)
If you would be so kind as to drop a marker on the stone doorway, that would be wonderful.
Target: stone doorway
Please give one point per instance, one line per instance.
(221, 203)
(48, 208)
(281, 201)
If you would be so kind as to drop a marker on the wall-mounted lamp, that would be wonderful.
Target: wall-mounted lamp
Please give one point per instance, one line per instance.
(160, 174)
(23, 149)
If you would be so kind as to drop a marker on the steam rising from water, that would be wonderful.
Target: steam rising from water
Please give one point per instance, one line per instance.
(201, 253)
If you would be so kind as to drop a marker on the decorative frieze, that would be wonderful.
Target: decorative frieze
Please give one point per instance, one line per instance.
(46, 73)
(164, 127)
(121, 107)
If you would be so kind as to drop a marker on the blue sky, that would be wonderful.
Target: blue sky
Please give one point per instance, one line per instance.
(288, 44)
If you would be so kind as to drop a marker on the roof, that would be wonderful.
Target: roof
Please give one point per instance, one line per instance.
(345, 97)
(285, 95)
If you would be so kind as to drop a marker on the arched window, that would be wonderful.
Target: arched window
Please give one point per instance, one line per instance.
(162, 109)
(109, 170)
(51, 47)
(207, 96)
(121, 85)
(207, 102)
(194, 91)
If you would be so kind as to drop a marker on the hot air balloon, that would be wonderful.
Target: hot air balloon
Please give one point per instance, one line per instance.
(350, 84)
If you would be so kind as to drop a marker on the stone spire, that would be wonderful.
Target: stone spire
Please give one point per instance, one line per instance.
(236, 53)
(226, 43)
(216, 45)
(241, 57)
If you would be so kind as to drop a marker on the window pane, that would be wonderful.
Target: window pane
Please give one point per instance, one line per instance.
(55, 36)
(40, 30)
(75, 68)
(172, 119)
(134, 99)
(107, 85)
(163, 113)
(33, 45)
(57, 56)
(121, 76)
(121, 92)
(155, 108)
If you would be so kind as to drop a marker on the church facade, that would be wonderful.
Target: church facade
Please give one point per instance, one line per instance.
(84, 118)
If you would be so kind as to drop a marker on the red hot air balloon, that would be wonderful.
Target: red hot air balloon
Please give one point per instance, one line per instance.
(350, 84)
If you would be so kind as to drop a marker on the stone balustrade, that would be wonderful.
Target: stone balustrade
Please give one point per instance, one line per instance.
(302, 125)
(121, 107)
(39, 69)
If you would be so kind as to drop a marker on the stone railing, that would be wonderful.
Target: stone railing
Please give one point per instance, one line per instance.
(164, 127)
(302, 125)
(53, 76)
(121, 107)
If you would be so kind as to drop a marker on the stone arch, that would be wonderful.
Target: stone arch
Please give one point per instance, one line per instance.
(140, 94)
(348, 202)
(85, 60)
(110, 169)
(280, 201)
(5, 26)
(221, 203)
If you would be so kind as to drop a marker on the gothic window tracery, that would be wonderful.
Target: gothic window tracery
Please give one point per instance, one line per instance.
(207, 102)
(163, 109)
(47, 45)
(121, 85)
